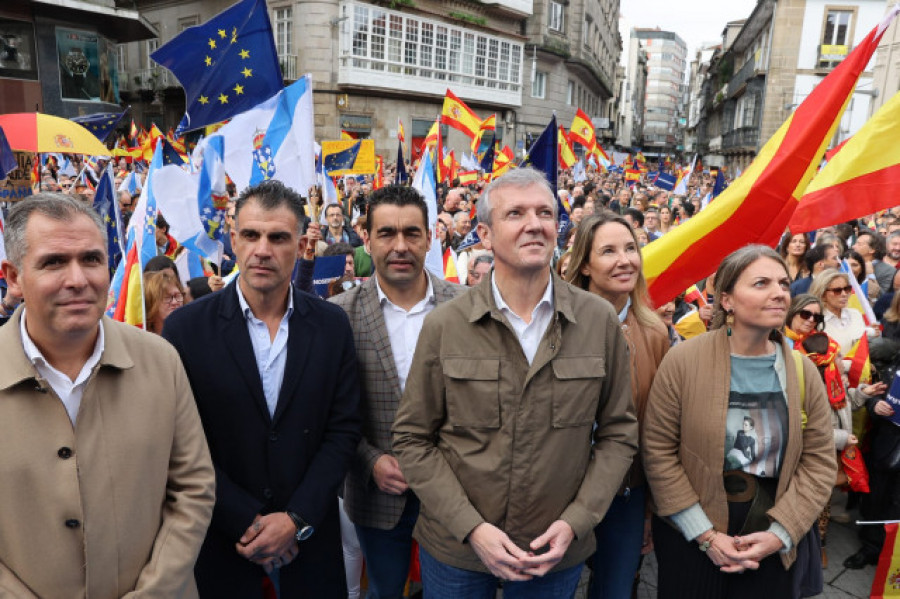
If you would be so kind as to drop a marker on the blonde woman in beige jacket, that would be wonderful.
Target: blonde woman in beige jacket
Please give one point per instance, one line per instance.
(738, 478)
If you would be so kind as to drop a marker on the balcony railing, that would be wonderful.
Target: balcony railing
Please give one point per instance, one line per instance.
(742, 137)
(153, 79)
(288, 66)
(743, 75)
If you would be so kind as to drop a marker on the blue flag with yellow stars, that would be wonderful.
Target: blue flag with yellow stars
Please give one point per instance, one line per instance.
(227, 65)
(100, 124)
(343, 160)
(108, 208)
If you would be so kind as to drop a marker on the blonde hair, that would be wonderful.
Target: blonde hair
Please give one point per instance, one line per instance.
(823, 281)
(581, 254)
(156, 284)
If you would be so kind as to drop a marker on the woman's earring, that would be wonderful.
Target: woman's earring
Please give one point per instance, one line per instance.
(729, 321)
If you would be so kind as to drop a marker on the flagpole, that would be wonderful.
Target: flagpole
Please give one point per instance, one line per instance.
(876, 522)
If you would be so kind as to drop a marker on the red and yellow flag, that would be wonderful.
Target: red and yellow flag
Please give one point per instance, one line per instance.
(450, 272)
(488, 124)
(757, 207)
(459, 116)
(861, 178)
(582, 130)
(378, 181)
(567, 157)
(400, 134)
(503, 161)
(433, 137)
(468, 177)
(887, 573)
(860, 364)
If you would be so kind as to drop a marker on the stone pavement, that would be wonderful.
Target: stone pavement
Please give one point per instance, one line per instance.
(840, 583)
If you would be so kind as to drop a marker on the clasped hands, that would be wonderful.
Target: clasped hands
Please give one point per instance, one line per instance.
(507, 561)
(737, 554)
(270, 541)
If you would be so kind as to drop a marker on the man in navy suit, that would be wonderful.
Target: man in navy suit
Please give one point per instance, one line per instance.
(274, 374)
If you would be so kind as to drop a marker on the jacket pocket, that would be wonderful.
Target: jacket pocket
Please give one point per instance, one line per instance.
(473, 392)
(576, 390)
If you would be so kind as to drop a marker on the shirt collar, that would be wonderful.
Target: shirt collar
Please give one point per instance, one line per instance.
(248, 312)
(546, 299)
(382, 297)
(624, 313)
(35, 356)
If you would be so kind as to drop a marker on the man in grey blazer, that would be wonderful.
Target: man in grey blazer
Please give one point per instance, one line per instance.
(386, 314)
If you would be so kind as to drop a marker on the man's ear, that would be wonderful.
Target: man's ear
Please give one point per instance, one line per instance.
(11, 274)
(484, 233)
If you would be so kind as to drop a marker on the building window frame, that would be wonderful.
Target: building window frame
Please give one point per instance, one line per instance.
(283, 29)
(539, 85)
(556, 17)
(834, 37)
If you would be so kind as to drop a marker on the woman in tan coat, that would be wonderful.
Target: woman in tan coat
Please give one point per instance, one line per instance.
(606, 260)
(737, 476)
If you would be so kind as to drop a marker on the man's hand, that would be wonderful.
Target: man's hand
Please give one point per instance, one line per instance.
(873, 389)
(270, 541)
(496, 551)
(558, 537)
(884, 409)
(215, 283)
(647, 544)
(387, 475)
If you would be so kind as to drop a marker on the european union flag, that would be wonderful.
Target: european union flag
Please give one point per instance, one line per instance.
(342, 160)
(666, 181)
(401, 164)
(719, 185)
(106, 206)
(227, 65)
(487, 161)
(544, 156)
(170, 155)
(100, 124)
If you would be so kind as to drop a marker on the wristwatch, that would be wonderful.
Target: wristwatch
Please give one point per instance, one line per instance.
(304, 530)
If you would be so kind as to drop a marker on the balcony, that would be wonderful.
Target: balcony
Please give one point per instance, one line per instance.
(742, 138)
(746, 72)
(521, 7)
(288, 66)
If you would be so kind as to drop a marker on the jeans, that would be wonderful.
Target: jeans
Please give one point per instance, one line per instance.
(619, 538)
(441, 581)
(388, 553)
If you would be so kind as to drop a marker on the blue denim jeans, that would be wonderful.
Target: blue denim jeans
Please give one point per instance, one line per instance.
(619, 538)
(388, 552)
(441, 581)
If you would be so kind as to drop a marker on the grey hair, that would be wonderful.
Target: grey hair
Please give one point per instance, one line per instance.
(53, 205)
(519, 178)
(483, 259)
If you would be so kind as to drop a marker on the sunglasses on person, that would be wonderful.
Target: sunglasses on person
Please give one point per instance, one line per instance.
(840, 290)
(807, 315)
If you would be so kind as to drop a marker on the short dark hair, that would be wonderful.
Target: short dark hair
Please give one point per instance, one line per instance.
(271, 195)
(877, 243)
(329, 206)
(158, 263)
(395, 195)
(816, 254)
(161, 222)
(636, 215)
(339, 248)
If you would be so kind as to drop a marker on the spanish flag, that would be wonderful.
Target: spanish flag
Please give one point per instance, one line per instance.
(582, 130)
(860, 363)
(758, 206)
(400, 134)
(434, 135)
(862, 178)
(450, 272)
(567, 157)
(346, 136)
(887, 573)
(488, 124)
(468, 178)
(503, 161)
(378, 181)
(459, 116)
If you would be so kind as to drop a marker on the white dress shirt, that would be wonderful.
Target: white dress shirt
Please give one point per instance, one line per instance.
(528, 333)
(403, 327)
(69, 392)
(271, 354)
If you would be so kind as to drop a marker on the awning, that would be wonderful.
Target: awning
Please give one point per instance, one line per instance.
(118, 24)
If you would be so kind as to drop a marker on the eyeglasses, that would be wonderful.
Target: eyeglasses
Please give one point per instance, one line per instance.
(175, 298)
(807, 315)
(839, 290)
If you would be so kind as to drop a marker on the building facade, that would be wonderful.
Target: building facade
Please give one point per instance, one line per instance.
(886, 72)
(663, 100)
(632, 92)
(375, 62)
(777, 57)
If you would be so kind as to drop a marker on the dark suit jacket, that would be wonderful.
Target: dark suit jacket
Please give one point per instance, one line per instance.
(364, 502)
(292, 462)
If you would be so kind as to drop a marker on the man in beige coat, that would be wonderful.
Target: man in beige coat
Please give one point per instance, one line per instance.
(107, 485)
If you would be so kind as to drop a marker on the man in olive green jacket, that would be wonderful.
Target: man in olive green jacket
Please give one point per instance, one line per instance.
(516, 425)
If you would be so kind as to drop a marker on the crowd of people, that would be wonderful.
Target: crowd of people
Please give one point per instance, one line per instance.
(538, 424)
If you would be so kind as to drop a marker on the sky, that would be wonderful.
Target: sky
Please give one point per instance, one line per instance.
(696, 21)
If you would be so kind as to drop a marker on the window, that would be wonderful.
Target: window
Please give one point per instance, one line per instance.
(151, 47)
(836, 38)
(570, 93)
(284, 25)
(187, 22)
(556, 21)
(121, 58)
(539, 85)
(384, 40)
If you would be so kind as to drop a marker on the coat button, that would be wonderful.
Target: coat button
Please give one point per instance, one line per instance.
(267, 493)
(72, 523)
(64, 452)
(273, 436)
